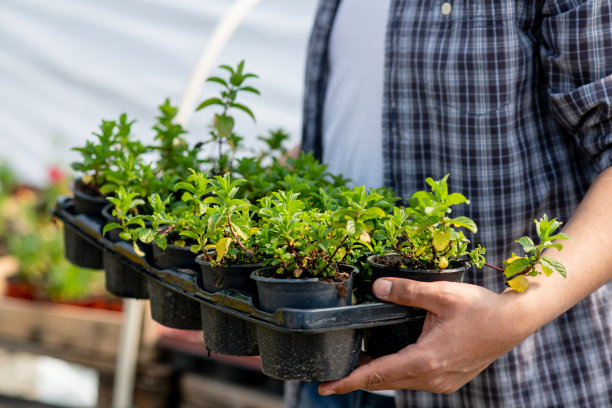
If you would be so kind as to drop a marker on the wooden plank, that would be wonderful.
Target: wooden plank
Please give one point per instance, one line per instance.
(199, 391)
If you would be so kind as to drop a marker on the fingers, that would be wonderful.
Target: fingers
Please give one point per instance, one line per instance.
(431, 296)
(372, 376)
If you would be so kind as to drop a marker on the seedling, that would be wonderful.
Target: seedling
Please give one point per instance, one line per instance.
(518, 267)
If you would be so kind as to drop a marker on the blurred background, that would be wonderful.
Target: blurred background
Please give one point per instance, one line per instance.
(64, 66)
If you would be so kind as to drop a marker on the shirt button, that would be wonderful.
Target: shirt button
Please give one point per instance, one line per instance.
(446, 8)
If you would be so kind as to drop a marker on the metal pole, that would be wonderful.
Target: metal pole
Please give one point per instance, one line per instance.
(220, 36)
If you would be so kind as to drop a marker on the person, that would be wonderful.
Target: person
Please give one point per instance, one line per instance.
(513, 99)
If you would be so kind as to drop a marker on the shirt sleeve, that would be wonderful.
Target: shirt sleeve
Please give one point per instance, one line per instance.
(576, 55)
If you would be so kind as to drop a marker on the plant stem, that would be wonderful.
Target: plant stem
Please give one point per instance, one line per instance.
(229, 222)
(494, 267)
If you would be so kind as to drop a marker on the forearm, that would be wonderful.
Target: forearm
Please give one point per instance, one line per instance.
(587, 258)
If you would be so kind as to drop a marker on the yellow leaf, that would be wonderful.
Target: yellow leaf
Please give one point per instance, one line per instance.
(440, 240)
(518, 283)
(137, 250)
(547, 271)
(443, 263)
(222, 247)
(365, 237)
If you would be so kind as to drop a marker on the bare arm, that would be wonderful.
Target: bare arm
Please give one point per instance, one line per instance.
(501, 321)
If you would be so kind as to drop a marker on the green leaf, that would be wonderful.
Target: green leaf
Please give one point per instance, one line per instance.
(527, 244)
(224, 125)
(559, 236)
(464, 222)
(124, 235)
(208, 102)
(110, 226)
(218, 80)
(516, 266)
(455, 198)
(189, 234)
(250, 89)
(185, 186)
(161, 241)
(375, 212)
(553, 264)
(243, 108)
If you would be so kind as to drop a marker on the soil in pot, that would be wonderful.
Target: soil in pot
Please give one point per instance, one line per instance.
(224, 333)
(291, 355)
(384, 340)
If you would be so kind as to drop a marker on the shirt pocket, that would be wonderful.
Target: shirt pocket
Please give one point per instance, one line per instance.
(476, 65)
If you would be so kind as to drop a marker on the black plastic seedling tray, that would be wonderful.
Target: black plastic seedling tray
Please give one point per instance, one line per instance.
(311, 345)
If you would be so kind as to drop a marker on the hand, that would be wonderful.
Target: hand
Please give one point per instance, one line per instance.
(467, 328)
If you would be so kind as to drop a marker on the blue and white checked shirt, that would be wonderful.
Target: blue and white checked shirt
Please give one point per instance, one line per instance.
(514, 100)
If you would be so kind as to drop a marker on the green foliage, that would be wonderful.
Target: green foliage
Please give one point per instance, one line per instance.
(99, 158)
(518, 267)
(175, 156)
(302, 242)
(222, 129)
(125, 210)
(425, 234)
(230, 227)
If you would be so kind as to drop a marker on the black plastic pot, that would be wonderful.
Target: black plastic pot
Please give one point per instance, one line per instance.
(121, 279)
(86, 203)
(305, 356)
(80, 252)
(224, 333)
(174, 257)
(168, 307)
(384, 340)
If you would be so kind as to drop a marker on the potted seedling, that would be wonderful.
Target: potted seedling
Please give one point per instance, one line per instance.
(309, 257)
(99, 160)
(228, 227)
(123, 222)
(424, 243)
(421, 242)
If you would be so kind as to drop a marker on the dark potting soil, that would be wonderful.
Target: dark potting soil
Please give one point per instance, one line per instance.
(402, 262)
(88, 189)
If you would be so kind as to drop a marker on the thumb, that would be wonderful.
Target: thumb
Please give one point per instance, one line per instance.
(426, 295)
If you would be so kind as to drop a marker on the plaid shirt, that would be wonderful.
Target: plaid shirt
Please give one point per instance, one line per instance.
(513, 99)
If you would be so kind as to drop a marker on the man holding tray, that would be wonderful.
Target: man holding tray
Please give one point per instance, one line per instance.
(514, 100)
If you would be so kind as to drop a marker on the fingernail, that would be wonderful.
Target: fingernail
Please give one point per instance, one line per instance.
(382, 288)
(328, 392)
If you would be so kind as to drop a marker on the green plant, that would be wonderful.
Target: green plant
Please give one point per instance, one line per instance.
(311, 243)
(222, 128)
(426, 236)
(175, 155)
(125, 209)
(518, 267)
(99, 158)
(228, 225)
